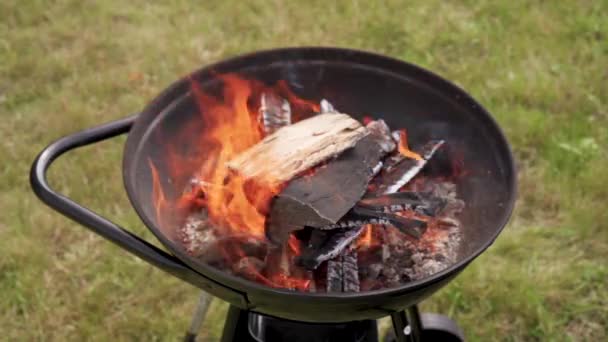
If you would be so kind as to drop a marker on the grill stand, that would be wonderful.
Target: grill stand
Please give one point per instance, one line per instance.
(408, 326)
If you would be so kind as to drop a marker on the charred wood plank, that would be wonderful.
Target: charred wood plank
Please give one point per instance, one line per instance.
(296, 148)
(352, 223)
(422, 203)
(350, 271)
(327, 245)
(360, 215)
(396, 175)
(325, 196)
(335, 275)
(409, 226)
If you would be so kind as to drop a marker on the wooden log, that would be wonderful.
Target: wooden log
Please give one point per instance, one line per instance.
(296, 148)
(325, 196)
(343, 272)
(350, 271)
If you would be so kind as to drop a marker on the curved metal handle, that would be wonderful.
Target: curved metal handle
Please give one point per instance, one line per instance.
(88, 218)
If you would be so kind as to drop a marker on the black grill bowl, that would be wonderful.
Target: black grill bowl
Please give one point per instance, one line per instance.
(356, 82)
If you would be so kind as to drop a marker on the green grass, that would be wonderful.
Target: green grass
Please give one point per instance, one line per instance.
(540, 67)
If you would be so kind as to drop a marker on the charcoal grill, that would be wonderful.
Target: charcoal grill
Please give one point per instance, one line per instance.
(359, 83)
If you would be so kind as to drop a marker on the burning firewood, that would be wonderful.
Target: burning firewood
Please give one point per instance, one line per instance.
(335, 275)
(296, 148)
(325, 196)
(422, 203)
(394, 177)
(350, 271)
(275, 113)
(343, 272)
(334, 179)
(325, 245)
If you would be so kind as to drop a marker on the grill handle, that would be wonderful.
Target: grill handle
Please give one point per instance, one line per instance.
(93, 221)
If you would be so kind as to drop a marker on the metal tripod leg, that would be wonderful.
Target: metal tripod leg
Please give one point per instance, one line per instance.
(411, 326)
(199, 317)
(407, 325)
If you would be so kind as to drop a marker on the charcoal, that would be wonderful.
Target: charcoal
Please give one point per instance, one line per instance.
(274, 112)
(335, 275)
(422, 203)
(373, 271)
(409, 226)
(350, 271)
(333, 243)
(395, 177)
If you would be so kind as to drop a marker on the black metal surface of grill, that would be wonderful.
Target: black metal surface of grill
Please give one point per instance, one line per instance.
(357, 82)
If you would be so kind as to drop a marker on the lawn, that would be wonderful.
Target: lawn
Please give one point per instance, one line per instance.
(541, 68)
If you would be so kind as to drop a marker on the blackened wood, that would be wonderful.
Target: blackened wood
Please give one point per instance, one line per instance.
(327, 107)
(350, 271)
(422, 203)
(397, 175)
(360, 215)
(325, 196)
(274, 112)
(333, 243)
(335, 275)
(409, 226)
(346, 223)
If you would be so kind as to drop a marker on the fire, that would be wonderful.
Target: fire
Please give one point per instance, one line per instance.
(229, 125)
(294, 244)
(365, 240)
(404, 148)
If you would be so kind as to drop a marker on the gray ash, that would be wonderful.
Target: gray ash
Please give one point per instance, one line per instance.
(400, 259)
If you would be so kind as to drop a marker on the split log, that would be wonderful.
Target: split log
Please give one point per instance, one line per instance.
(360, 215)
(296, 148)
(325, 196)
(394, 178)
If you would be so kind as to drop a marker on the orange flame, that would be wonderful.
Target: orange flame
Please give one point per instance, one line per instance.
(404, 148)
(365, 240)
(229, 125)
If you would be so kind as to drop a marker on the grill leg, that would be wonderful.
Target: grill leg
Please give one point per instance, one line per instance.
(412, 326)
(407, 327)
(199, 317)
